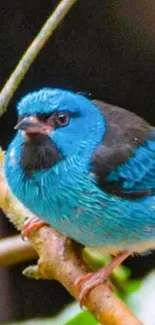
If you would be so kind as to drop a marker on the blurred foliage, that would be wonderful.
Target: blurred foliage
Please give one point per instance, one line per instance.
(142, 300)
(72, 315)
(139, 295)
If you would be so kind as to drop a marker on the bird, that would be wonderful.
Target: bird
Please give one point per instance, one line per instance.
(87, 168)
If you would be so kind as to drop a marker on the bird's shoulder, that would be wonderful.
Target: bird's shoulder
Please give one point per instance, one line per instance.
(124, 163)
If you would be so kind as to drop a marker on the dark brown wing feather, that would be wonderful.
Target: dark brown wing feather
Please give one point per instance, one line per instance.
(125, 132)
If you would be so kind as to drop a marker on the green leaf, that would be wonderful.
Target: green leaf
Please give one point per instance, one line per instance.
(83, 318)
(133, 285)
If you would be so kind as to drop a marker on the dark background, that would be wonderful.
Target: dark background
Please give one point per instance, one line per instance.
(105, 47)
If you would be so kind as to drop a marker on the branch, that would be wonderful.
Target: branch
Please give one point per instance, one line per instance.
(32, 51)
(14, 250)
(58, 260)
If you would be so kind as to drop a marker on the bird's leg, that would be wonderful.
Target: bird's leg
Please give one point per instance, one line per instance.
(85, 284)
(31, 225)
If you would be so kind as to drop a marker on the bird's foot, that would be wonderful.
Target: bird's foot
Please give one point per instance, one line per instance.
(31, 225)
(91, 280)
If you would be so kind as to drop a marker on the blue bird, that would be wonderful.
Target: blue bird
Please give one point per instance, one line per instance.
(86, 168)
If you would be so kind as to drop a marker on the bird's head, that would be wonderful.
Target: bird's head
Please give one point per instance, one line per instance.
(54, 125)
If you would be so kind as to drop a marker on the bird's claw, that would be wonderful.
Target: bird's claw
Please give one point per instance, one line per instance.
(31, 225)
(91, 280)
(88, 282)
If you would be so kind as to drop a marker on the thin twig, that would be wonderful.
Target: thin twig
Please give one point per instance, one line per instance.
(32, 51)
(14, 250)
(58, 260)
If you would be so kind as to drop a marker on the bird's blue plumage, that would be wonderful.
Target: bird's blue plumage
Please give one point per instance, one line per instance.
(70, 194)
(138, 172)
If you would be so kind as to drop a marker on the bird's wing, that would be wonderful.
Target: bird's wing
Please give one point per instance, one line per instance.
(124, 164)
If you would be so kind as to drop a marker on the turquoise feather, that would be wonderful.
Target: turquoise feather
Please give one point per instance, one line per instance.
(67, 196)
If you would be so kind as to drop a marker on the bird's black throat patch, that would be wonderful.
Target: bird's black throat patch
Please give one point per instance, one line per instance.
(39, 153)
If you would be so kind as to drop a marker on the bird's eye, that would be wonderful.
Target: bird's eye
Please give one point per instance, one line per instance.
(62, 119)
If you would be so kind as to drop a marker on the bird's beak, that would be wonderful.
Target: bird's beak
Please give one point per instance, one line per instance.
(31, 125)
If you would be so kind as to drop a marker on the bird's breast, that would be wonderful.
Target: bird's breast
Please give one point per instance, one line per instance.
(95, 218)
(75, 206)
